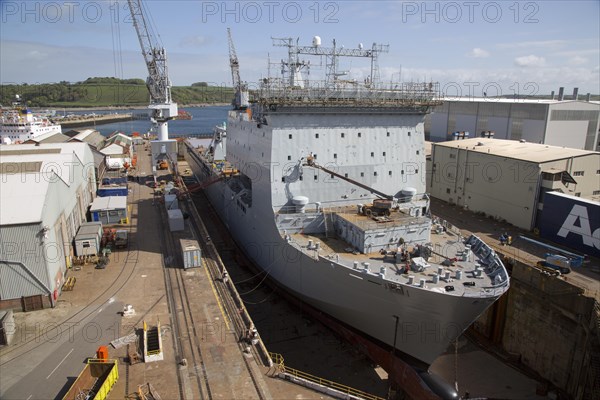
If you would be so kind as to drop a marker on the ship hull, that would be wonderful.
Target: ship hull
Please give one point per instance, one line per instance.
(416, 322)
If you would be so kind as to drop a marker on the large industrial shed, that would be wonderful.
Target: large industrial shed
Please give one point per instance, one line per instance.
(570, 123)
(45, 191)
(508, 179)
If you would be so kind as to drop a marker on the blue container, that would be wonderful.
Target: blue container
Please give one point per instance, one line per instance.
(112, 191)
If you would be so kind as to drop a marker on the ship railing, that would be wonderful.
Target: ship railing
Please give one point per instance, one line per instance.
(321, 93)
(488, 291)
(340, 206)
(301, 377)
(411, 221)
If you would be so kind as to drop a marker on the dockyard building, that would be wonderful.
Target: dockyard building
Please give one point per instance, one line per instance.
(96, 141)
(571, 123)
(508, 179)
(45, 192)
(49, 137)
(117, 149)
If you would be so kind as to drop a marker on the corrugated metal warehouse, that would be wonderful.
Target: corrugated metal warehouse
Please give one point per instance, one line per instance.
(558, 123)
(45, 191)
(507, 179)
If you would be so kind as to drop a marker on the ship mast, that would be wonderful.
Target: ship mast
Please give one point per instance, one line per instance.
(332, 55)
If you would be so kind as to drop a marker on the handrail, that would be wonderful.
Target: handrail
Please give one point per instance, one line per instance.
(279, 362)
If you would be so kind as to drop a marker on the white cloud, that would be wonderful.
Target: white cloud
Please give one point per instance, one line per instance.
(578, 60)
(530, 61)
(499, 80)
(193, 41)
(547, 44)
(478, 53)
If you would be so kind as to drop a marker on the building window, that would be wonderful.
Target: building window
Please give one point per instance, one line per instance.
(289, 158)
(384, 153)
(316, 177)
(290, 135)
(388, 134)
(375, 173)
(334, 155)
(316, 135)
(447, 190)
(417, 152)
(390, 173)
(283, 179)
(343, 134)
(598, 172)
(408, 133)
(596, 192)
(359, 134)
(346, 175)
(578, 173)
(578, 194)
(452, 155)
(362, 174)
(372, 154)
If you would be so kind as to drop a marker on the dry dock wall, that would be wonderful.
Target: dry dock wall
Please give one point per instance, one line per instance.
(552, 327)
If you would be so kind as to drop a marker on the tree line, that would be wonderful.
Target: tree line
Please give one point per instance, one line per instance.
(106, 91)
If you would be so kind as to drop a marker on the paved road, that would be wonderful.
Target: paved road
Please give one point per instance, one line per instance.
(52, 376)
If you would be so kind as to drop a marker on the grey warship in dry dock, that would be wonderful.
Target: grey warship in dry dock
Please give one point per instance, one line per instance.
(321, 183)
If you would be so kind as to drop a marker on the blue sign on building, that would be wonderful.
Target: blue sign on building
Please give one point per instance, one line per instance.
(571, 221)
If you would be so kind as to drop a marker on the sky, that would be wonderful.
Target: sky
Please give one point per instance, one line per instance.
(469, 47)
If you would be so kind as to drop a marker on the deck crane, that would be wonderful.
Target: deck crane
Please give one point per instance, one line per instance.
(159, 85)
(240, 102)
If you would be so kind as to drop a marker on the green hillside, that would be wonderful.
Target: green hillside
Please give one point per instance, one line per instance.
(105, 92)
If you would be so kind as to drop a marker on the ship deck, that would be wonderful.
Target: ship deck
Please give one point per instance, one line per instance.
(395, 272)
(396, 218)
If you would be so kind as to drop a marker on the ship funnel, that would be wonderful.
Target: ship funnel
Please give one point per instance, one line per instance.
(561, 93)
(575, 93)
(300, 202)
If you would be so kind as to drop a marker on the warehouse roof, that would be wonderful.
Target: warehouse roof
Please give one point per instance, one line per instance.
(533, 152)
(90, 136)
(27, 171)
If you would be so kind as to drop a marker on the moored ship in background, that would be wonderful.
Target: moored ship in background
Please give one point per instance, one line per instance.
(18, 124)
(321, 184)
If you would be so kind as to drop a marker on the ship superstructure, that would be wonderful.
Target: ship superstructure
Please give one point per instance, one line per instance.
(328, 199)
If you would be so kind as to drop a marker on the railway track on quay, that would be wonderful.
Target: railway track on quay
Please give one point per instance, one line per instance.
(188, 329)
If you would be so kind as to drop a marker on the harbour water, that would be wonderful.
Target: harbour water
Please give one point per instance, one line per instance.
(202, 124)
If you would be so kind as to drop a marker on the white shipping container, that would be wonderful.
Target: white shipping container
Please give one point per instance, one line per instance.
(87, 240)
(171, 202)
(192, 255)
